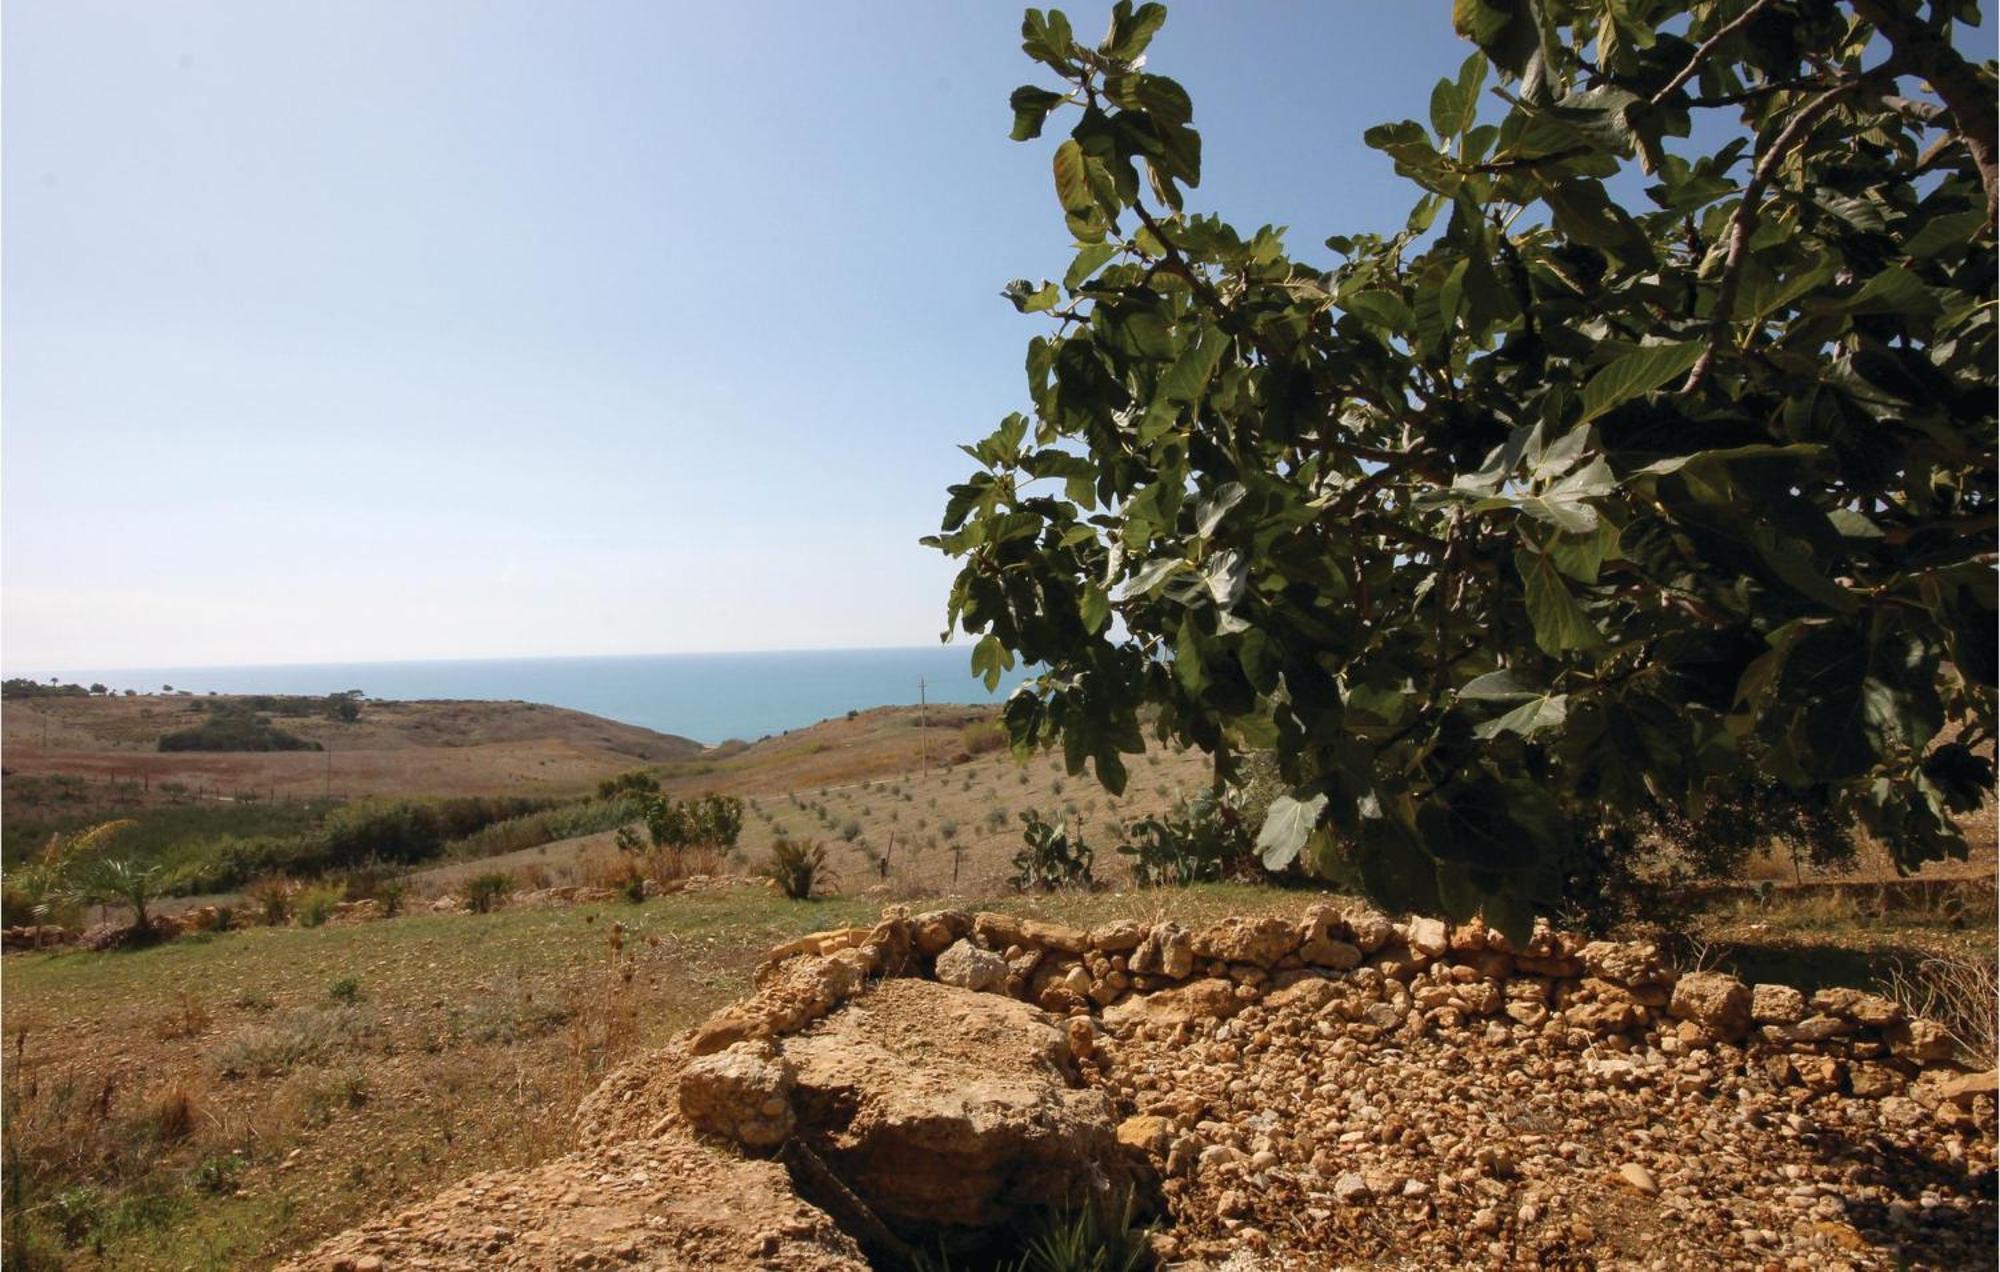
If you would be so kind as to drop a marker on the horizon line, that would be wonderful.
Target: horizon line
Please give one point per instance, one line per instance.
(9, 673)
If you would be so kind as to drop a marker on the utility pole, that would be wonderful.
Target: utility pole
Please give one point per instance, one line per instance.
(923, 718)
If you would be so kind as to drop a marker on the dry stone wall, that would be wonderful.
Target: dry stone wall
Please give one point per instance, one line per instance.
(1413, 976)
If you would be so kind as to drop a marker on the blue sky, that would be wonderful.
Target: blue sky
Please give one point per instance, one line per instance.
(347, 331)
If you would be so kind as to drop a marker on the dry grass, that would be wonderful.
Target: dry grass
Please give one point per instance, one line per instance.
(1960, 993)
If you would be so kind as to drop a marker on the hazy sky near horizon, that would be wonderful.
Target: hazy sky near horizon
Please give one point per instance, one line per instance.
(370, 330)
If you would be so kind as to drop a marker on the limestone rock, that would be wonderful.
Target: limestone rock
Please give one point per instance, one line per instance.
(1054, 936)
(969, 967)
(1715, 1001)
(1261, 942)
(1777, 1005)
(1922, 1040)
(1853, 1004)
(802, 990)
(1429, 937)
(996, 932)
(742, 1093)
(1624, 962)
(1120, 937)
(1146, 1133)
(937, 930)
(937, 1106)
(668, 1202)
(1168, 951)
(1371, 928)
(1639, 1177)
(1211, 998)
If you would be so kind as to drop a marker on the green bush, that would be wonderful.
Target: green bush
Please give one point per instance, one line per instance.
(1053, 856)
(707, 821)
(235, 728)
(1202, 841)
(272, 900)
(545, 826)
(634, 782)
(485, 893)
(314, 905)
(345, 990)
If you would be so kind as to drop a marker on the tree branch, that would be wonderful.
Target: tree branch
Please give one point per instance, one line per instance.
(1966, 93)
(1744, 223)
(1708, 46)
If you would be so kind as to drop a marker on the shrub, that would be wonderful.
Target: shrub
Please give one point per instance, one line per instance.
(983, 736)
(272, 899)
(1957, 993)
(345, 990)
(1205, 840)
(120, 881)
(235, 728)
(272, 1049)
(850, 830)
(799, 868)
(707, 821)
(485, 893)
(315, 904)
(1053, 856)
(533, 829)
(217, 1173)
(170, 1118)
(188, 1019)
(635, 782)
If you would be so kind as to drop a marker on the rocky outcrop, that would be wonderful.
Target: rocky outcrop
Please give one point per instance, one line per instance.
(1341, 1088)
(943, 1108)
(670, 1202)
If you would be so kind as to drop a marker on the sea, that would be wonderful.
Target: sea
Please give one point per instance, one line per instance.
(711, 698)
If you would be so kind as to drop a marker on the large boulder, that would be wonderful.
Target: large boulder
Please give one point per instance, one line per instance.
(943, 1108)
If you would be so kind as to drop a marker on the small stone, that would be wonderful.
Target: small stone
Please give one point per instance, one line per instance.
(1350, 1189)
(1639, 1177)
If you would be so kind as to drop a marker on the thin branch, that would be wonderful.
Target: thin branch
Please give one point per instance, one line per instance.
(1966, 91)
(1707, 47)
(1744, 223)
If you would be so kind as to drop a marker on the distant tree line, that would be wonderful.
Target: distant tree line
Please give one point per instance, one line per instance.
(22, 687)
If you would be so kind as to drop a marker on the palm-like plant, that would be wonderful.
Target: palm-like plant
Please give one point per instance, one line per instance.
(119, 881)
(798, 867)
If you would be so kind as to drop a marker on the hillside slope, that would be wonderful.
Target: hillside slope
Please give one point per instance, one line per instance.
(423, 747)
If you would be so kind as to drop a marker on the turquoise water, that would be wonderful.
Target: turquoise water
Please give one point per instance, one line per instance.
(708, 697)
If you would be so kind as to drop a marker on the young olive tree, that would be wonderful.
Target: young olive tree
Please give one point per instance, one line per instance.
(1547, 510)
